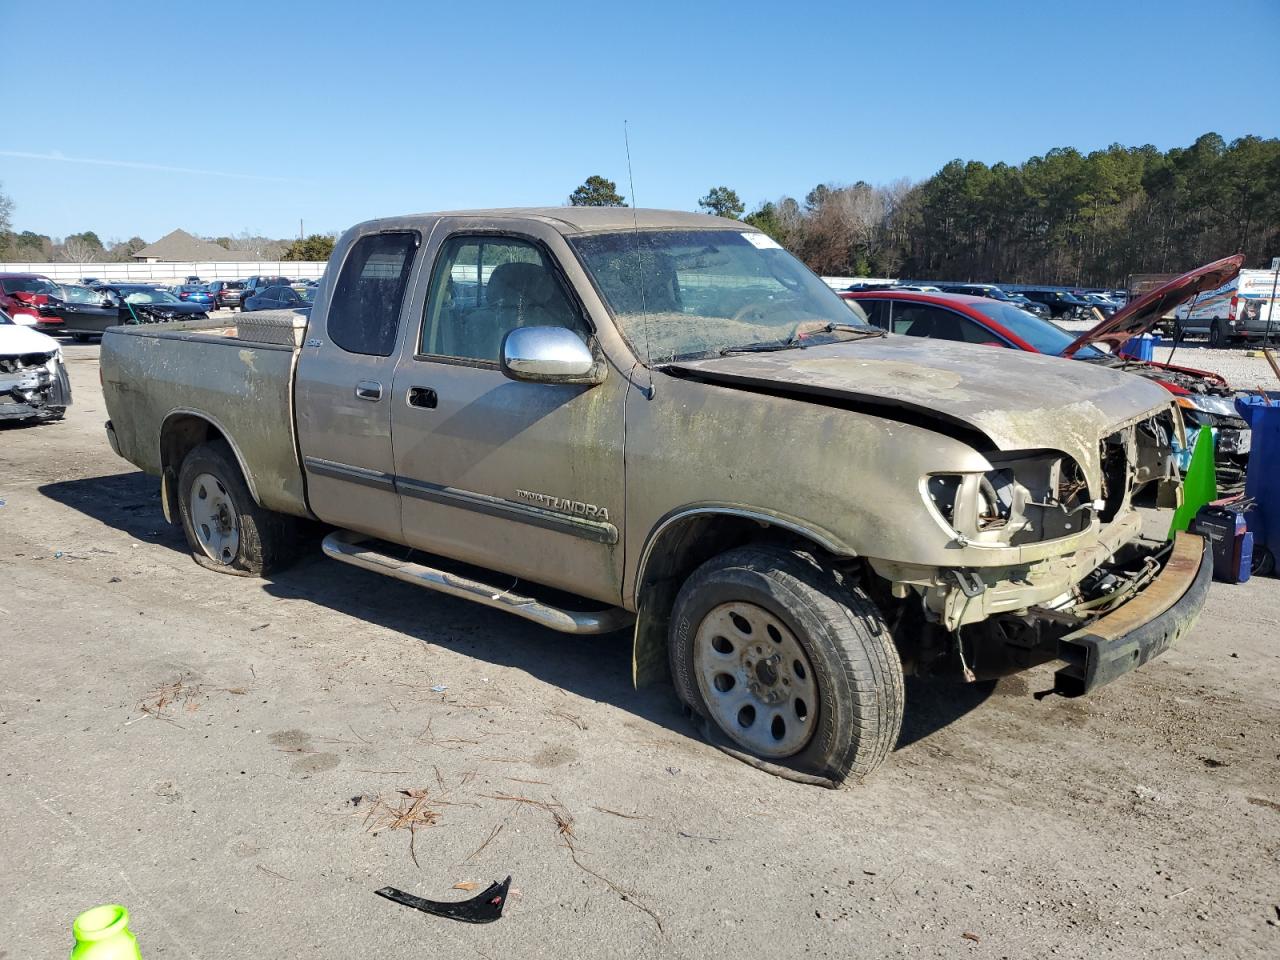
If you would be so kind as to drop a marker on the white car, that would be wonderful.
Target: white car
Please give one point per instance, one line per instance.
(33, 376)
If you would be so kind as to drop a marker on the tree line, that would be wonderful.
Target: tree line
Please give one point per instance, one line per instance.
(1063, 218)
(88, 247)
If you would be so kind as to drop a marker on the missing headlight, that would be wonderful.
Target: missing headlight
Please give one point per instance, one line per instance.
(943, 488)
(996, 493)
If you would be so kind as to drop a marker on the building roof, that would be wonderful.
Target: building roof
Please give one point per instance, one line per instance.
(180, 247)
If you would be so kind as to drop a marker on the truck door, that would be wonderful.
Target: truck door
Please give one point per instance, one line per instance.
(522, 478)
(342, 391)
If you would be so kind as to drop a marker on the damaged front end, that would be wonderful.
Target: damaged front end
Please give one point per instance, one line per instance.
(33, 385)
(1122, 572)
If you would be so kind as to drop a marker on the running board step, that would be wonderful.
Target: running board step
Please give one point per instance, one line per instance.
(359, 551)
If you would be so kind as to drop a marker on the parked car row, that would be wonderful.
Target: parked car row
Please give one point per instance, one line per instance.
(1048, 302)
(84, 310)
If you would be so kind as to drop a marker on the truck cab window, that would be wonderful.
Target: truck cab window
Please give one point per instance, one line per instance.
(485, 287)
(364, 314)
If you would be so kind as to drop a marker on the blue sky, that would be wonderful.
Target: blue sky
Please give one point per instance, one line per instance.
(225, 117)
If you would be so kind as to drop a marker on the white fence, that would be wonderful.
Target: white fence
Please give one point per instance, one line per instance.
(170, 272)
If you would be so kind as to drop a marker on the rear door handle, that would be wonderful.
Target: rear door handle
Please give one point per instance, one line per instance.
(422, 397)
(369, 390)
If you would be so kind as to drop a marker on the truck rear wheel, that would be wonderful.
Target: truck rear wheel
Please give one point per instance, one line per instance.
(795, 667)
(1217, 337)
(226, 530)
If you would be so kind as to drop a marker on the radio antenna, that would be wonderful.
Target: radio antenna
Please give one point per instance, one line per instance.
(635, 224)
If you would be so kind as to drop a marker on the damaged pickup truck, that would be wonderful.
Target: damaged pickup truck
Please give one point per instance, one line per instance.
(33, 375)
(663, 421)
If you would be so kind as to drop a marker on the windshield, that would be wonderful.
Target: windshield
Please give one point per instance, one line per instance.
(4, 318)
(1041, 334)
(150, 296)
(70, 293)
(681, 294)
(29, 286)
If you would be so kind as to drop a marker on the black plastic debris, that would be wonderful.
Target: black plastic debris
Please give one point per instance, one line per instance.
(482, 908)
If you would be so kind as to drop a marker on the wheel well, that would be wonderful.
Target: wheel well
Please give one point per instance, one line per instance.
(677, 550)
(181, 434)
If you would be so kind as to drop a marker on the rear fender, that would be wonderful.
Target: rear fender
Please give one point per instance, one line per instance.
(182, 431)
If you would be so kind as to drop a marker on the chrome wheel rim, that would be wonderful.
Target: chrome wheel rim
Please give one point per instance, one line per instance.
(756, 679)
(213, 518)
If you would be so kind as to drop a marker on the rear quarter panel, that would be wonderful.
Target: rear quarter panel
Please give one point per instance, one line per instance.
(151, 373)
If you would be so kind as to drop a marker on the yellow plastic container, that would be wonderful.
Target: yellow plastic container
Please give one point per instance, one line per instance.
(103, 934)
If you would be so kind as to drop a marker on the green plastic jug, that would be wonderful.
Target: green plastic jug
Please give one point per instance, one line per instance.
(103, 934)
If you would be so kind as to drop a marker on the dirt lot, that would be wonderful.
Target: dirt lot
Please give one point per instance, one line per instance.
(192, 745)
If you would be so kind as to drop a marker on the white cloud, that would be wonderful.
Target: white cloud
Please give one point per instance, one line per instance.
(133, 165)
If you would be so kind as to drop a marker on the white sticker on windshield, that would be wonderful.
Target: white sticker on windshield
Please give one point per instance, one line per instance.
(762, 241)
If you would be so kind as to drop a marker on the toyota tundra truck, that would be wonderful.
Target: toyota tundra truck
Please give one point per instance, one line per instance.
(603, 419)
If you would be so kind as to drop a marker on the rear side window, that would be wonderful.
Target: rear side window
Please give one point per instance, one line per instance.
(924, 320)
(364, 312)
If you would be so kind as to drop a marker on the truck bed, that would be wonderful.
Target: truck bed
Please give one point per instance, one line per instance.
(214, 371)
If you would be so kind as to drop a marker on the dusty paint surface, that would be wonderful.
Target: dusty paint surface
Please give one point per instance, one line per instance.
(1022, 401)
(153, 373)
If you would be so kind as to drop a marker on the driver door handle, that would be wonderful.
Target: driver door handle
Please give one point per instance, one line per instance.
(369, 390)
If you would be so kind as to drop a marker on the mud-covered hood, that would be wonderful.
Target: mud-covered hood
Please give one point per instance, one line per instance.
(1018, 401)
(1143, 314)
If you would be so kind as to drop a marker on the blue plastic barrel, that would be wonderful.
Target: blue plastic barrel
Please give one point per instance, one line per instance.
(1141, 348)
(1262, 481)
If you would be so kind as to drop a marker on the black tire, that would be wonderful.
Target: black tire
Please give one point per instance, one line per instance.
(1217, 339)
(81, 337)
(856, 671)
(1263, 563)
(266, 541)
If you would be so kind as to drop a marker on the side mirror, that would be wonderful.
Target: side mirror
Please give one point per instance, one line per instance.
(549, 355)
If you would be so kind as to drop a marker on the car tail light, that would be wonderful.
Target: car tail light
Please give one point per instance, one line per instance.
(1231, 314)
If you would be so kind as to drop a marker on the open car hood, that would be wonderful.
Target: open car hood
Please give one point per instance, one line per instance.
(1143, 314)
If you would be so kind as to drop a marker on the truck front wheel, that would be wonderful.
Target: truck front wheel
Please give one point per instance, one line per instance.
(226, 530)
(794, 666)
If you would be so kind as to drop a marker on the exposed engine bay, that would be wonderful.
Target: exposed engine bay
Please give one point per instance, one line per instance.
(1207, 402)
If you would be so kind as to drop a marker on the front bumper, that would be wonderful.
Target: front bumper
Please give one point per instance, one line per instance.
(1141, 629)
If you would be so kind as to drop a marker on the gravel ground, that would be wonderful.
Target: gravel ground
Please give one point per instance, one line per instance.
(206, 749)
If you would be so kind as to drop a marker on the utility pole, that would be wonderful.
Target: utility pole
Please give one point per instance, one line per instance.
(299, 228)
